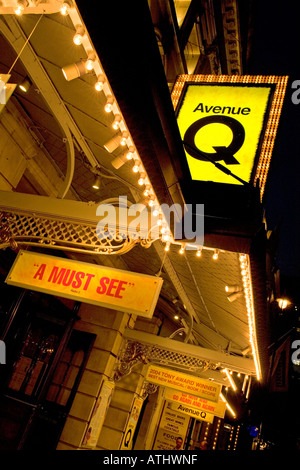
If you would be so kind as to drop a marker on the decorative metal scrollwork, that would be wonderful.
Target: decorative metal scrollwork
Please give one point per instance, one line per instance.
(134, 353)
(148, 389)
(6, 238)
(131, 356)
(18, 229)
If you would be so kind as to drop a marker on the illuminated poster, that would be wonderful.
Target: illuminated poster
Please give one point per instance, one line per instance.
(228, 125)
(197, 403)
(183, 382)
(172, 425)
(100, 285)
(224, 122)
(192, 412)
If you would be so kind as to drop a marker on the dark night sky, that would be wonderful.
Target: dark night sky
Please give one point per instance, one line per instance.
(276, 52)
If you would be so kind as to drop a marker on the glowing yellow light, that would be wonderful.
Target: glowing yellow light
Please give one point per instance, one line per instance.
(182, 249)
(283, 303)
(116, 123)
(19, 10)
(147, 191)
(136, 166)
(156, 212)
(65, 8)
(109, 104)
(199, 252)
(78, 37)
(130, 153)
(246, 277)
(228, 374)
(141, 180)
(100, 83)
(270, 129)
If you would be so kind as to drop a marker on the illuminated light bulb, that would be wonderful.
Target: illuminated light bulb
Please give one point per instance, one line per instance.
(216, 255)
(155, 211)
(21, 4)
(136, 166)
(141, 179)
(109, 104)
(167, 247)
(199, 252)
(89, 64)
(130, 153)
(100, 83)
(181, 251)
(116, 123)
(166, 237)
(124, 138)
(159, 222)
(78, 37)
(65, 8)
(151, 202)
(147, 191)
(96, 184)
(19, 10)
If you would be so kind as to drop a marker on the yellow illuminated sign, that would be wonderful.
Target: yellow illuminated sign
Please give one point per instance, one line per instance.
(229, 125)
(196, 403)
(90, 283)
(192, 412)
(224, 122)
(183, 382)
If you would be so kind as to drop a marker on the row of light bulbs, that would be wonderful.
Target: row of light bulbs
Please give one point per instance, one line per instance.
(122, 138)
(21, 5)
(247, 288)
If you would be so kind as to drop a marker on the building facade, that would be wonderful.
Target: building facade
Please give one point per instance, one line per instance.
(164, 350)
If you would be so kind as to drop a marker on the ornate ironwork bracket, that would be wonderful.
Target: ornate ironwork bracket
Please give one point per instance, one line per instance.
(134, 353)
(131, 355)
(17, 229)
(5, 234)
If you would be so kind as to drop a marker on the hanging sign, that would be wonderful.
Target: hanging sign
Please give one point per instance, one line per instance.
(228, 121)
(224, 122)
(99, 285)
(192, 412)
(196, 403)
(183, 382)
